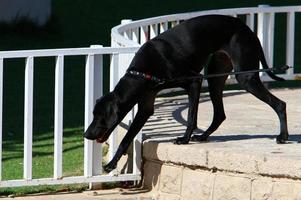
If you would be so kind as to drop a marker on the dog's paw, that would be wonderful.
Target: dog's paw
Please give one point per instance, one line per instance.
(181, 140)
(281, 140)
(109, 167)
(199, 138)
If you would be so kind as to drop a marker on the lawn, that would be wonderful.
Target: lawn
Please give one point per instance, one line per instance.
(42, 165)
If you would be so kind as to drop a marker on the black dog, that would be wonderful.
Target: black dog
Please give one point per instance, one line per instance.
(180, 52)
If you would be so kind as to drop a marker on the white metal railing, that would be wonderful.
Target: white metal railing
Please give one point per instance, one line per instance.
(261, 18)
(93, 90)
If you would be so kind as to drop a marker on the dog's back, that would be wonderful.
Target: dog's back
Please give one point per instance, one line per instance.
(184, 49)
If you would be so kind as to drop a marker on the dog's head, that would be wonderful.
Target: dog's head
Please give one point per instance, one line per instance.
(105, 118)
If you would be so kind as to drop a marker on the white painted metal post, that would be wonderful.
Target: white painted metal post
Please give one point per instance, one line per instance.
(250, 21)
(270, 38)
(137, 145)
(89, 102)
(262, 31)
(290, 41)
(153, 30)
(174, 23)
(1, 113)
(113, 81)
(98, 92)
(58, 116)
(143, 34)
(128, 34)
(135, 35)
(163, 26)
(28, 112)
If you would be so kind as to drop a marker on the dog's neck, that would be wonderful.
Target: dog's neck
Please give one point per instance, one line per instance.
(128, 91)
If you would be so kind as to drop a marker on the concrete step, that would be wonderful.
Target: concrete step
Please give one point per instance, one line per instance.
(241, 160)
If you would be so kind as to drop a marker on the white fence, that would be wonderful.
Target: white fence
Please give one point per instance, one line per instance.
(126, 39)
(260, 19)
(93, 90)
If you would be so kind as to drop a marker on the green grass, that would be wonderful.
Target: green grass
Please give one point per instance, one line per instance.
(42, 166)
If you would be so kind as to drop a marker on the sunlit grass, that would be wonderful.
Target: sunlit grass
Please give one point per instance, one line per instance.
(42, 165)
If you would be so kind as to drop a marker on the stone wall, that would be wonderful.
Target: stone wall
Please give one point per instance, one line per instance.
(169, 181)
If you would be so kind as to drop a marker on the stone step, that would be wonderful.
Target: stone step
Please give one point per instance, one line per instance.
(241, 159)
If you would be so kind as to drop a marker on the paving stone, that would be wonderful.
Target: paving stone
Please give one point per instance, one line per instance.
(167, 197)
(231, 188)
(169, 152)
(197, 185)
(297, 191)
(283, 190)
(171, 179)
(262, 189)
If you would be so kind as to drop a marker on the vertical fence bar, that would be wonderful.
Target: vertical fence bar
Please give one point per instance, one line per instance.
(28, 112)
(89, 102)
(270, 47)
(97, 92)
(250, 21)
(163, 26)
(143, 34)
(262, 31)
(1, 113)
(174, 23)
(137, 145)
(128, 33)
(135, 35)
(113, 81)
(153, 30)
(290, 41)
(58, 116)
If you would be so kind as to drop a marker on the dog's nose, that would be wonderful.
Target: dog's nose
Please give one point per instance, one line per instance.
(89, 132)
(86, 135)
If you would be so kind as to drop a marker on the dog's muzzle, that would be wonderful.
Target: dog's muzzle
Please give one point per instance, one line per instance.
(100, 134)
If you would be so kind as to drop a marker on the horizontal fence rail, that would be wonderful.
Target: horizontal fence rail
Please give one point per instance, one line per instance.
(93, 90)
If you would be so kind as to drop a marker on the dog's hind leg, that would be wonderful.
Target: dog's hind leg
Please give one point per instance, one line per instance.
(193, 90)
(245, 55)
(253, 84)
(219, 64)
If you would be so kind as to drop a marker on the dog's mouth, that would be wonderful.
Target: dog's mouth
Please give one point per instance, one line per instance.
(104, 137)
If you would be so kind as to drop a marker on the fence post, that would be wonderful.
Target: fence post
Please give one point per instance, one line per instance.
(135, 37)
(153, 30)
(163, 27)
(134, 151)
(262, 31)
(58, 116)
(1, 113)
(290, 41)
(250, 21)
(89, 102)
(114, 72)
(93, 90)
(98, 92)
(28, 109)
(144, 34)
(128, 33)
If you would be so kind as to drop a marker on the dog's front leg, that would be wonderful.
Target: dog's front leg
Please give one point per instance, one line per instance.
(193, 91)
(145, 110)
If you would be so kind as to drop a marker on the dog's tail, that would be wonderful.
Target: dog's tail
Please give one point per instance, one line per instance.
(265, 66)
